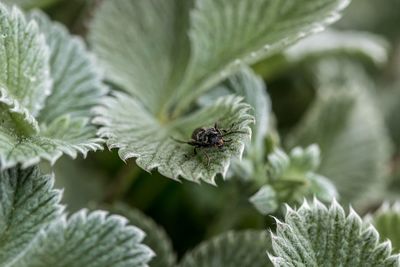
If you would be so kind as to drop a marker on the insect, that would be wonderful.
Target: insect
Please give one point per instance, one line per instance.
(212, 137)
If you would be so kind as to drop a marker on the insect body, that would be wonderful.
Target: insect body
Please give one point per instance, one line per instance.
(209, 138)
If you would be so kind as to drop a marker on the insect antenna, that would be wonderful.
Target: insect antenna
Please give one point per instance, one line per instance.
(233, 132)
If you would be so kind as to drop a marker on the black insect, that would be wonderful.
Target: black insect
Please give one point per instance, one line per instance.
(209, 138)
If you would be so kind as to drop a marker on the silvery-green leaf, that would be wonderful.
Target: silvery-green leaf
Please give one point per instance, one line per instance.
(234, 249)
(48, 86)
(252, 88)
(77, 84)
(155, 238)
(224, 33)
(387, 222)
(28, 202)
(345, 122)
(127, 125)
(265, 200)
(154, 55)
(15, 119)
(315, 235)
(87, 240)
(65, 135)
(143, 46)
(291, 178)
(163, 70)
(24, 72)
(351, 42)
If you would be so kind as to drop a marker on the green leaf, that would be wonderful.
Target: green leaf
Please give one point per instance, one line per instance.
(364, 44)
(144, 57)
(387, 222)
(169, 56)
(77, 82)
(35, 233)
(28, 202)
(156, 238)
(129, 126)
(315, 235)
(234, 249)
(225, 33)
(265, 200)
(346, 123)
(291, 178)
(252, 88)
(49, 86)
(25, 71)
(87, 240)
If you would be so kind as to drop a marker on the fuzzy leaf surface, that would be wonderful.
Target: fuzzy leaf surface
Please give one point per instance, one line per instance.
(28, 202)
(77, 82)
(347, 125)
(172, 52)
(87, 240)
(35, 232)
(224, 33)
(315, 235)
(130, 127)
(364, 44)
(247, 84)
(387, 222)
(156, 238)
(48, 86)
(234, 249)
(24, 74)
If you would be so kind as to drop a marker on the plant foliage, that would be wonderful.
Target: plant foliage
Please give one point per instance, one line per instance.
(48, 86)
(387, 222)
(195, 45)
(347, 125)
(291, 178)
(315, 235)
(234, 249)
(34, 232)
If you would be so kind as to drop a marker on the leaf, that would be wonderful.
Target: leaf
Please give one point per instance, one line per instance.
(225, 33)
(387, 222)
(77, 84)
(241, 249)
(129, 126)
(144, 57)
(94, 239)
(35, 233)
(291, 178)
(48, 88)
(315, 235)
(24, 73)
(265, 200)
(156, 238)
(346, 123)
(163, 71)
(28, 202)
(251, 87)
(364, 44)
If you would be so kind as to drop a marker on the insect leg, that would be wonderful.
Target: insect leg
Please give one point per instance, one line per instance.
(208, 158)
